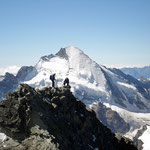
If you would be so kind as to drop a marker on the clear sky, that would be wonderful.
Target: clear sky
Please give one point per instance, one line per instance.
(113, 32)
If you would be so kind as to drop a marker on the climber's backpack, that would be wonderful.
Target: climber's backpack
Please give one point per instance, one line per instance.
(51, 77)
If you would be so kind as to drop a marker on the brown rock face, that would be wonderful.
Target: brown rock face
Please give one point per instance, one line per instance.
(52, 118)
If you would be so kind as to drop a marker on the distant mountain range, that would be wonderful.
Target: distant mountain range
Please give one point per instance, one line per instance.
(138, 72)
(120, 101)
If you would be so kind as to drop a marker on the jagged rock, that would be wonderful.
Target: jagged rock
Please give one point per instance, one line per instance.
(111, 119)
(9, 83)
(62, 53)
(47, 57)
(52, 119)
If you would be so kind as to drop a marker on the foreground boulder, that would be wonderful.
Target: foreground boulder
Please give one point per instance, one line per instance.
(53, 119)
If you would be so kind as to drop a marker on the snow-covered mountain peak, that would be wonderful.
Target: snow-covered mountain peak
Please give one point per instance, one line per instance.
(71, 62)
(77, 59)
(70, 50)
(74, 57)
(83, 67)
(64, 53)
(92, 79)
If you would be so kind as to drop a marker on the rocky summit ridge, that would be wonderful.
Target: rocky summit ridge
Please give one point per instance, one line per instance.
(53, 119)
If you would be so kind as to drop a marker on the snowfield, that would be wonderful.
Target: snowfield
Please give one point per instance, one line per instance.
(136, 120)
(146, 139)
(127, 85)
(3, 137)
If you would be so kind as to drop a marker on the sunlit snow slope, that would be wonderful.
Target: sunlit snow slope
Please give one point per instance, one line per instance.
(145, 137)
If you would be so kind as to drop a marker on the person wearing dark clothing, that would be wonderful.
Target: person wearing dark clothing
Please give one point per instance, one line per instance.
(52, 78)
(66, 81)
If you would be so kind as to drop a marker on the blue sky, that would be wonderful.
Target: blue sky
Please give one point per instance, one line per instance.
(113, 32)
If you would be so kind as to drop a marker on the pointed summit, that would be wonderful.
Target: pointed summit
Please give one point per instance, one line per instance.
(62, 53)
(73, 51)
(69, 51)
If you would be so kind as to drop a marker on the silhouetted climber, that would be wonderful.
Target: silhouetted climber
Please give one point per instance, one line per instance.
(52, 78)
(66, 81)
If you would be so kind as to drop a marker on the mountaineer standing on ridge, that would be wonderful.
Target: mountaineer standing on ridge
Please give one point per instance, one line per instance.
(52, 78)
(66, 81)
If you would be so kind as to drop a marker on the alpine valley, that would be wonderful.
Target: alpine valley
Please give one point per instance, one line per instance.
(121, 102)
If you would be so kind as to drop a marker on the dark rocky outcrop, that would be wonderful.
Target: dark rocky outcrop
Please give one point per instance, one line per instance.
(52, 118)
(47, 57)
(111, 119)
(62, 53)
(9, 83)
